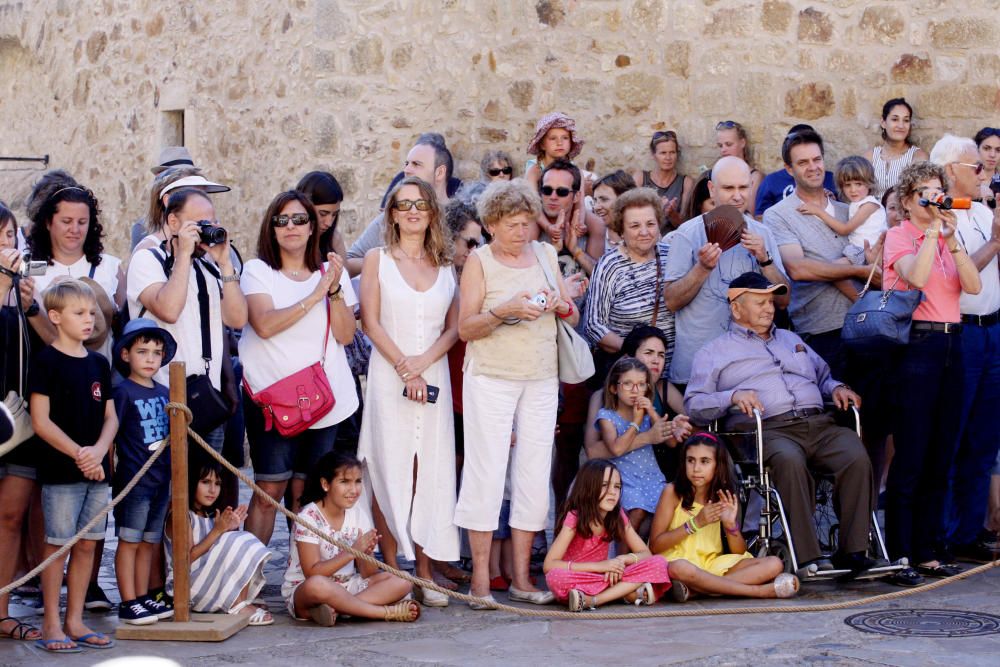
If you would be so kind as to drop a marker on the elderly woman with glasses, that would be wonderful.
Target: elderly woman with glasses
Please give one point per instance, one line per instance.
(301, 311)
(507, 314)
(731, 139)
(673, 187)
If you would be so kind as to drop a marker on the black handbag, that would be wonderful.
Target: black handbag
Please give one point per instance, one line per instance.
(880, 319)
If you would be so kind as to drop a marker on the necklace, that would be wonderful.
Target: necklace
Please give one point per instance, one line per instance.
(415, 259)
(292, 274)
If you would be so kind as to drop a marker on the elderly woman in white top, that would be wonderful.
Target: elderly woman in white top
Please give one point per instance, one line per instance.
(301, 310)
(511, 382)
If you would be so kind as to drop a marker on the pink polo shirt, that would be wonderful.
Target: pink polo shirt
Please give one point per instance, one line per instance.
(943, 288)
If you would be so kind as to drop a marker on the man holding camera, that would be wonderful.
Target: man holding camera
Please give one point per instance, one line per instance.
(189, 275)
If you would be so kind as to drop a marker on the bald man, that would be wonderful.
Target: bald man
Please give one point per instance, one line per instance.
(699, 271)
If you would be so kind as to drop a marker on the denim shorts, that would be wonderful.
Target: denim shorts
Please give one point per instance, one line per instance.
(140, 516)
(276, 458)
(69, 507)
(503, 524)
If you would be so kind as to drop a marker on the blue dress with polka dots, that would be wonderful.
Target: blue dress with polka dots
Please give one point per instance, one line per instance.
(642, 479)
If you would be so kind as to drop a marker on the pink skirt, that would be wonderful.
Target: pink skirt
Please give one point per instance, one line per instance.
(652, 570)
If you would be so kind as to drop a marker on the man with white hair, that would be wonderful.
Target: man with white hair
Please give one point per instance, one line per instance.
(701, 265)
(978, 425)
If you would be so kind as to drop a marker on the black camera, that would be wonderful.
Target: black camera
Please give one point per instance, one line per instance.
(211, 233)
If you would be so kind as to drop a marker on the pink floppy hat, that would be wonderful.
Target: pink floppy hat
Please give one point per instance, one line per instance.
(549, 121)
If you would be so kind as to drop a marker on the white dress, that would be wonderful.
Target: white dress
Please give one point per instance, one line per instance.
(395, 430)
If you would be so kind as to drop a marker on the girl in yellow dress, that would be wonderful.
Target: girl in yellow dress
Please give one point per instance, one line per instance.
(686, 530)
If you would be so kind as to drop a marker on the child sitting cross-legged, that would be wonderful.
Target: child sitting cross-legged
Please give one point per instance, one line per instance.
(70, 388)
(577, 567)
(143, 426)
(322, 580)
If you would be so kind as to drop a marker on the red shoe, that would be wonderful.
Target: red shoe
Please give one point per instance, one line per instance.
(499, 584)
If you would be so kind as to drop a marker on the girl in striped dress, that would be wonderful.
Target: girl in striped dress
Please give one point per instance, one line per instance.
(227, 564)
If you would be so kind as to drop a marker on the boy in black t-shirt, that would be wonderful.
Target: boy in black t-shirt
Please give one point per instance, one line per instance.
(139, 403)
(70, 411)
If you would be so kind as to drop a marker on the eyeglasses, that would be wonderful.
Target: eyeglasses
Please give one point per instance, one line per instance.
(979, 166)
(407, 204)
(506, 171)
(297, 219)
(472, 243)
(547, 190)
(633, 386)
(726, 125)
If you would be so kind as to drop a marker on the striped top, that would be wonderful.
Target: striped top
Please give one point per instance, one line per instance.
(623, 295)
(236, 559)
(887, 171)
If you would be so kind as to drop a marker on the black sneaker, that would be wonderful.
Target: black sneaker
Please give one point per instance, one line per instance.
(977, 552)
(855, 562)
(158, 608)
(96, 600)
(134, 612)
(160, 595)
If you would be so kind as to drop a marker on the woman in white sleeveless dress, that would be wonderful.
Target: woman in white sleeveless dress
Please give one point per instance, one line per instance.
(409, 309)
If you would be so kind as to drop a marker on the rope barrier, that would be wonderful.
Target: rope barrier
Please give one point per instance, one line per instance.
(551, 613)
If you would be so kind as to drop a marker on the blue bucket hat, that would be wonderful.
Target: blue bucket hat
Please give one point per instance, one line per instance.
(138, 327)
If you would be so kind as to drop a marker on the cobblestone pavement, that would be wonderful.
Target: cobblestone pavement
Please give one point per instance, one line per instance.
(460, 636)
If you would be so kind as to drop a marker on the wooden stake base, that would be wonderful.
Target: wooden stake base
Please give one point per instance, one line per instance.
(201, 628)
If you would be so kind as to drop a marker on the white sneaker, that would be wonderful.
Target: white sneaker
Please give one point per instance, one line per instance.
(429, 598)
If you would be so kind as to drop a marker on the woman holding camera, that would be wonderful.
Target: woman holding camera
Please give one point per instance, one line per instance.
(923, 253)
(409, 309)
(301, 310)
(511, 385)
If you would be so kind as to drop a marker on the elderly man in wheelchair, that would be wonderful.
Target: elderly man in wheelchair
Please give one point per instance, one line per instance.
(756, 368)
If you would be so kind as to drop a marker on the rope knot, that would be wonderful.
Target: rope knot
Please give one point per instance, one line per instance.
(183, 409)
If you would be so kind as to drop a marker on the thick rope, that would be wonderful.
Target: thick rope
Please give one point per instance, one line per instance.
(551, 613)
(93, 522)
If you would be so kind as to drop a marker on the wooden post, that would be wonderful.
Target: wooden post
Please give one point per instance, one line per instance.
(179, 505)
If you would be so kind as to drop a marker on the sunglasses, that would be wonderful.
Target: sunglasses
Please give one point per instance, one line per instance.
(407, 204)
(506, 171)
(979, 166)
(297, 219)
(547, 190)
(667, 134)
(727, 125)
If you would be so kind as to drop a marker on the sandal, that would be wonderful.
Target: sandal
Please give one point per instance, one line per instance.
(577, 601)
(907, 577)
(402, 611)
(644, 595)
(323, 615)
(46, 644)
(20, 630)
(84, 640)
(261, 617)
(679, 592)
(939, 571)
(786, 585)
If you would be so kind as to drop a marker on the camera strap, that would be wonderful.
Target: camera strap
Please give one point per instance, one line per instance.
(206, 335)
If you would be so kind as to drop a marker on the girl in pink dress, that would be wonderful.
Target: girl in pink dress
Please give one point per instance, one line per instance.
(577, 567)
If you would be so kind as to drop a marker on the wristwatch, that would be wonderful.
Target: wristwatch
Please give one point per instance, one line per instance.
(767, 262)
(235, 278)
(32, 309)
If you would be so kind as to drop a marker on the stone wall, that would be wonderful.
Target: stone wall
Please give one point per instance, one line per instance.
(272, 89)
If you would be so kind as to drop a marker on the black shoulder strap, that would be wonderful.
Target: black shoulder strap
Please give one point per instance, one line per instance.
(206, 335)
(164, 261)
(93, 270)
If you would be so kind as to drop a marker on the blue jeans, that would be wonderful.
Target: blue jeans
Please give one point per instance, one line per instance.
(979, 428)
(929, 383)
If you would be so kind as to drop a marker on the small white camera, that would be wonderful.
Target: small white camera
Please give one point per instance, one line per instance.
(540, 300)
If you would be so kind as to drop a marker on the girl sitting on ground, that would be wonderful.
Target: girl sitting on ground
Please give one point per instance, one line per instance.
(686, 531)
(220, 546)
(577, 567)
(322, 580)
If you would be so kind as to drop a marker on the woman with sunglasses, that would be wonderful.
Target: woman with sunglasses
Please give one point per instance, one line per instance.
(301, 311)
(496, 166)
(673, 187)
(731, 139)
(988, 142)
(896, 151)
(409, 309)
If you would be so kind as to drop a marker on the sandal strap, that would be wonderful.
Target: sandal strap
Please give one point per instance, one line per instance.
(22, 629)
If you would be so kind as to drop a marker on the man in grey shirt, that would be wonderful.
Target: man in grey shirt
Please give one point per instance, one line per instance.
(427, 160)
(754, 365)
(698, 272)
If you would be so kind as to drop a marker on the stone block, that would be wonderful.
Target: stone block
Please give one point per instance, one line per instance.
(776, 16)
(550, 12)
(582, 93)
(154, 26)
(521, 94)
(810, 101)
(676, 58)
(330, 21)
(325, 134)
(366, 55)
(976, 101)
(401, 56)
(637, 91)
(646, 13)
(846, 61)
(966, 32)
(884, 24)
(730, 22)
(493, 135)
(914, 69)
(815, 27)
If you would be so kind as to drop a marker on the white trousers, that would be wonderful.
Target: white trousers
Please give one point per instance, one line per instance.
(491, 410)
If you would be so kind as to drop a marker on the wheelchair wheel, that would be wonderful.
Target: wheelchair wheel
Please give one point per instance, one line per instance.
(779, 549)
(825, 516)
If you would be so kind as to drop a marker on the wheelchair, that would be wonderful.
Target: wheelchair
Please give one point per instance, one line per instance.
(772, 536)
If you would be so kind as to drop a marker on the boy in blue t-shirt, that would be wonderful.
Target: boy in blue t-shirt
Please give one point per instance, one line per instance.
(70, 412)
(139, 403)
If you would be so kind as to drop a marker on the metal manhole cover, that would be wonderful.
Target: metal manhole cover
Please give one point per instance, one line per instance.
(925, 623)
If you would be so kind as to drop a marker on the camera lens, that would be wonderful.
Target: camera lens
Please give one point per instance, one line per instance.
(212, 234)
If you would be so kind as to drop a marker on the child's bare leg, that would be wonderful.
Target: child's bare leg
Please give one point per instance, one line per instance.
(698, 580)
(322, 590)
(617, 592)
(387, 543)
(143, 565)
(384, 588)
(126, 569)
(81, 561)
(756, 570)
(52, 577)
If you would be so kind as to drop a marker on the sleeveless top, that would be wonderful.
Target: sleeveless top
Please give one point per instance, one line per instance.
(522, 351)
(672, 191)
(887, 171)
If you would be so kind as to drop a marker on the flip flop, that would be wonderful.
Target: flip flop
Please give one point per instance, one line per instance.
(82, 640)
(21, 630)
(45, 643)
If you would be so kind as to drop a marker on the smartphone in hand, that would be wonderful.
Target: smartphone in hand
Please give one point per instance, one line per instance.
(432, 393)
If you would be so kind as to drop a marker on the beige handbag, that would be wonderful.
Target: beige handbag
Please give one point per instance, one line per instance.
(576, 363)
(15, 404)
